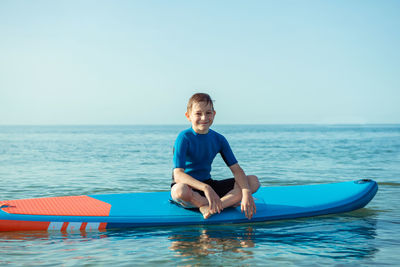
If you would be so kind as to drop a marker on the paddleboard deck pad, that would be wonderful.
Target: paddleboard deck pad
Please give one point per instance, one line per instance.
(112, 211)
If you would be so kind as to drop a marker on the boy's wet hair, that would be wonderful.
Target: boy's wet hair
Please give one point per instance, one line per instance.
(200, 97)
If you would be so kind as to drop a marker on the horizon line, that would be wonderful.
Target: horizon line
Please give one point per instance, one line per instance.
(180, 124)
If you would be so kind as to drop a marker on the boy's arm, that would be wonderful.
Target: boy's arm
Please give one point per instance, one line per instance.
(247, 203)
(214, 201)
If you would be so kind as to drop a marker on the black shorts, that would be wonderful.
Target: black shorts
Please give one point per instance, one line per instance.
(221, 187)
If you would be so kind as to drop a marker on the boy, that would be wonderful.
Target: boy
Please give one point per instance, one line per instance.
(194, 151)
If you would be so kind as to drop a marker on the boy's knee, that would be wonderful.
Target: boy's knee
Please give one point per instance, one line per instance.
(254, 183)
(236, 193)
(181, 191)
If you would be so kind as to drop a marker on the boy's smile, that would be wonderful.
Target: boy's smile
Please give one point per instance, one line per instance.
(201, 116)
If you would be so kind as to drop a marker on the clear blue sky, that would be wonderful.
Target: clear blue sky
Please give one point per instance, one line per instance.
(138, 62)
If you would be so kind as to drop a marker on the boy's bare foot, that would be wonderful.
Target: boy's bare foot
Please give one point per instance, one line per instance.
(205, 210)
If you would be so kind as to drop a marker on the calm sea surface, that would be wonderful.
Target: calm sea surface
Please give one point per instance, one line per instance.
(38, 161)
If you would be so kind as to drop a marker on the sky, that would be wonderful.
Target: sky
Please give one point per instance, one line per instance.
(138, 62)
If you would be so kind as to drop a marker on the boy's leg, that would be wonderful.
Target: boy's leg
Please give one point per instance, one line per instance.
(254, 183)
(230, 199)
(234, 196)
(188, 198)
(184, 195)
(236, 192)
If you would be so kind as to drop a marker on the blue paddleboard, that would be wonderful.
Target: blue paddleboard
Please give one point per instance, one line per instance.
(111, 211)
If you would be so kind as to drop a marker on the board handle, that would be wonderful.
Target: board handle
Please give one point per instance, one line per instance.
(363, 181)
(6, 205)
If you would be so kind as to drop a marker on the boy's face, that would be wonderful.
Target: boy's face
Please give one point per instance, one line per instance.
(201, 115)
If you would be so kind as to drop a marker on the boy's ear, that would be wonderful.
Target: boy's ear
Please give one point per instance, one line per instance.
(187, 115)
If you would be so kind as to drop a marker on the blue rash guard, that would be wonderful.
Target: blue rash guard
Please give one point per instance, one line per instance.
(195, 152)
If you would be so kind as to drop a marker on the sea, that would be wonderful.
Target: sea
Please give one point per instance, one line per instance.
(47, 161)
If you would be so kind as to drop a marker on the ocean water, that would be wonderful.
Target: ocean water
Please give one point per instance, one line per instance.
(38, 161)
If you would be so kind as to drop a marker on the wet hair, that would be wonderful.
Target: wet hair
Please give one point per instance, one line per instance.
(200, 97)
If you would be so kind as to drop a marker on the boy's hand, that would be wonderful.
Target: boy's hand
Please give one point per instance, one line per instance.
(215, 204)
(248, 205)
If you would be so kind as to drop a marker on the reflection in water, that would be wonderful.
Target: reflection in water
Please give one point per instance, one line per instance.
(33, 248)
(335, 239)
(338, 238)
(210, 241)
(23, 236)
(48, 235)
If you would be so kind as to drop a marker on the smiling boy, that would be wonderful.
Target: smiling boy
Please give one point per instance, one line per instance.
(194, 152)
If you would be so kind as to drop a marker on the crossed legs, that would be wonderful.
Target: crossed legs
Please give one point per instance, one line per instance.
(188, 198)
